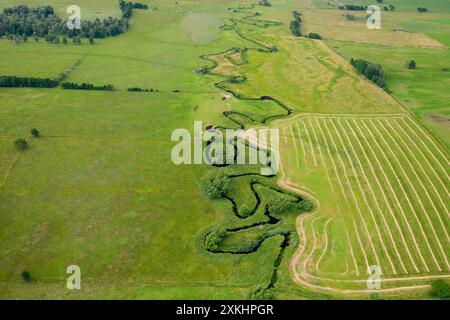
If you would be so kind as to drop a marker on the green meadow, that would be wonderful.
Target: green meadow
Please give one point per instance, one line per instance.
(98, 189)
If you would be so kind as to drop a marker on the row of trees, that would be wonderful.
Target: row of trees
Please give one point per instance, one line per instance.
(86, 86)
(13, 81)
(42, 22)
(353, 7)
(372, 71)
(296, 23)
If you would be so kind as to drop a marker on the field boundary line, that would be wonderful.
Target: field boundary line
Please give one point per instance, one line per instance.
(302, 115)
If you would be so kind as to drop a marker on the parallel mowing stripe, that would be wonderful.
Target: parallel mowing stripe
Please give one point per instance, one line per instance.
(432, 142)
(310, 144)
(342, 190)
(320, 154)
(354, 200)
(295, 146)
(375, 197)
(305, 264)
(418, 178)
(381, 169)
(412, 186)
(366, 202)
(302, 144)
(283, 132)
(326, 244)
(431, 167)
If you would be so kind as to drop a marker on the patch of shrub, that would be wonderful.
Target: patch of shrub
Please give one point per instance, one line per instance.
(259, 293)
(21, 144)
(306, 206)
(412, 64)
(35, 132)
(214, 238)
(279, 205)
(26, 276)
(440, 289)
(313, 35)
(372, 71)
(296, 23)
(215, 185)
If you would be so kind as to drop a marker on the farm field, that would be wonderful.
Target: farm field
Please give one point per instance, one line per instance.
(383, 199)
(364, 171)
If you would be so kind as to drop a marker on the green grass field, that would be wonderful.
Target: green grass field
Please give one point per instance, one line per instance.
(98, 188)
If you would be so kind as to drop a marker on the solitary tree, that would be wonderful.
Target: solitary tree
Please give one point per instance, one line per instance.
(25, 276)
(20, 144)
(412, 64)
(35, 132)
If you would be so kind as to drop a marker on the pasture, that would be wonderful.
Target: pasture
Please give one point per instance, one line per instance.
(98, 189)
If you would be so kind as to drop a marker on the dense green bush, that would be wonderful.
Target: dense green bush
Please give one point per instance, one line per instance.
(215, 185)
(25, 276)
(412, 64)
(35, 132)
(214, 238)
(21, 144)
(440, 289)
(313, 35)
(279, 205)
(296, 23)
(372, 71)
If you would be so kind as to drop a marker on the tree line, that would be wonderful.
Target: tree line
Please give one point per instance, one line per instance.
(352, 7)
(372, 71)
(86, 86)
(296, 23)
(13, 81)
(22, 21)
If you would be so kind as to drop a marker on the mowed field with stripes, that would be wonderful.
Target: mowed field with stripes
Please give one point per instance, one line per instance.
(381, 183)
